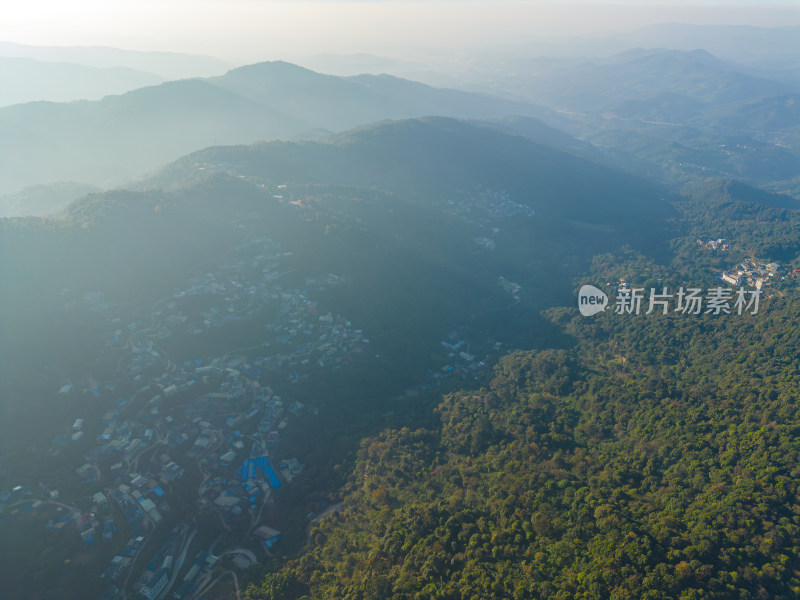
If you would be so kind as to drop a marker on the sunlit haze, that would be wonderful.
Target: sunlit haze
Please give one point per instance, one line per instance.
(399, 299)
(253, 30)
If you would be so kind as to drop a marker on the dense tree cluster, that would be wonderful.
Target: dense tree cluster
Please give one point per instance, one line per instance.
(757, 222)
(643, 465)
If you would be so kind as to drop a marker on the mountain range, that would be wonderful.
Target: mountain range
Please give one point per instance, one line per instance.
(668, 113)
(416, 215)
(107, 141)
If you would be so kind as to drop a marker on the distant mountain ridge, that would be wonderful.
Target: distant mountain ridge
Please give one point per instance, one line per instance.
(432, 159)
(42, 200)
(29, 80)
(694, 74)
(169, 65)
(119, 137)
(674, 113)
(746, 44)
(339, 103)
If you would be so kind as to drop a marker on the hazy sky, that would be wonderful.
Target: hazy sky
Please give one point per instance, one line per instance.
(248, 29)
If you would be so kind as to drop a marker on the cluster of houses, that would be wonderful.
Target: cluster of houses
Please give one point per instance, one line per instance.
(160, 569)
(720, 244)
(299, 334)
(121, 563)
(485, 206)
(141, 500)
(92, 520)
(751, 273)
(215, 429)
(461, 361)
(756, 274)
(216, 412)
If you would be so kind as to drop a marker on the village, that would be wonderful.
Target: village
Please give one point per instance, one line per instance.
(215, 414)
(217, 417)
(751, 273)
(756, 273)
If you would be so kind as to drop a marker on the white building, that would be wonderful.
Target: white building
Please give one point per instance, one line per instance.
(732, 279)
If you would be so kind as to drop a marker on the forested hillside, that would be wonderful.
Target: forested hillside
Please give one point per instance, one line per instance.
(638, 465)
